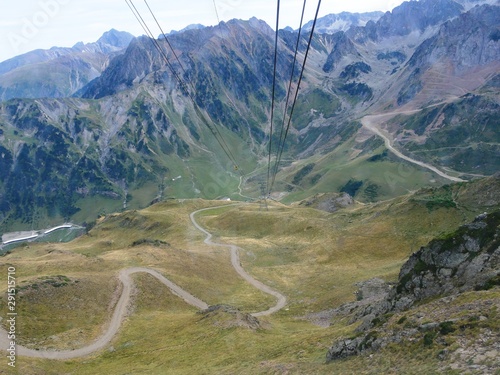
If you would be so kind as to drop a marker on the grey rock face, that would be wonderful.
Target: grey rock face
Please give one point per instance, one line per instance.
(465, 260)
(343, 349)
(59, 72)
(410, 16)
(343, 46)
(465, 42)
(469, 40)
(333, 23)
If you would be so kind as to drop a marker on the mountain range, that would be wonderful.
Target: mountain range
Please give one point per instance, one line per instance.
(59, 72)
(333, 23)
(374, 249)
(108, 126)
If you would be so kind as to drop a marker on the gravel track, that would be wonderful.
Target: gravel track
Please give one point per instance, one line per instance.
(235, 261)
(123, 303)
(371, 122)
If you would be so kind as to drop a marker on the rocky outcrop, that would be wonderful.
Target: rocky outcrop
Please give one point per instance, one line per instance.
(466, 260)
(226, 316)
(464, 44)
(342, 47)
(468, 41)
(437, 324)
(329, 202)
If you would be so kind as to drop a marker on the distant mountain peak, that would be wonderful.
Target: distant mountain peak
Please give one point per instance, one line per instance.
(468, 4)
(115, 38)
(332, 23)
(408, 17)
(80, 64)
(194, 26)
(112, 38)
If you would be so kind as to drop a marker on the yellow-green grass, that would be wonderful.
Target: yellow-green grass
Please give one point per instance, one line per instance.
(169, 339)
(314, 258)
(204, 271)
(394, 177)
(59, 312)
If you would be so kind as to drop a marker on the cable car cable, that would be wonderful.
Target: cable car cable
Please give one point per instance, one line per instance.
(273, 95)
(300, 78)
(216, 133)
(281, 143)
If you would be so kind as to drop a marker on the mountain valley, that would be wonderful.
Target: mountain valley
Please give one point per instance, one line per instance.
(372, 247)
(128, 134)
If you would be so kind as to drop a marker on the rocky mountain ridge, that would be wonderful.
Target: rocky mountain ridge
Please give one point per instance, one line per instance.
(467, 43)
(333, 23)
(134, 126)
(465, 260)
(59, 72)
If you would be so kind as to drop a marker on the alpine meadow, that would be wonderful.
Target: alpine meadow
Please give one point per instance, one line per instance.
(251, 199)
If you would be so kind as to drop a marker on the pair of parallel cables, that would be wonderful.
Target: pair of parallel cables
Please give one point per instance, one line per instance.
(271, 174)
(185, 86)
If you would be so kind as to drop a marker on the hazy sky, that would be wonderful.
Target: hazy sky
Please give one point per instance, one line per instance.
(26, 25)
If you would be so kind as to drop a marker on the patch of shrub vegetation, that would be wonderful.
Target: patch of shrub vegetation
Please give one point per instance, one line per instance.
(446, 328)
(359, 295)
(440, 198)
(89, 225)
(299, 176)
(490, 284)
(393, 55)
(148, 241)
(368, 341)
(359, 90)
(421, 266)
(316, 178)
(474, 318)
(354, 70)
(402, 283)
(351, 187)
(54, 281)
(429, 338)
(402, 319)
(380, 320)
(371, 192)
(440, 203)
(495, 35)
(378, 157)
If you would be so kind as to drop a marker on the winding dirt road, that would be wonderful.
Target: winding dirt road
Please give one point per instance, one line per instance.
(116, 319)
(235, 261)
(121, 307)
(370, 123)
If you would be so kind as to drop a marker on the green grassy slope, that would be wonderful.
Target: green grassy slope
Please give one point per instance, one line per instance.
(312, 257)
